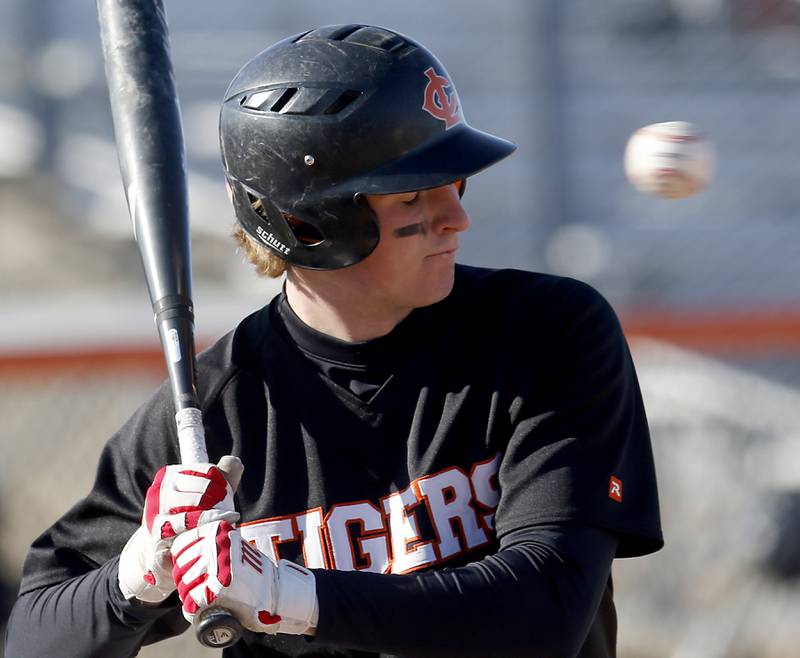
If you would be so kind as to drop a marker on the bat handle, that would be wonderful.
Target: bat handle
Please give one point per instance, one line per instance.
(216, 628)
(191, 436)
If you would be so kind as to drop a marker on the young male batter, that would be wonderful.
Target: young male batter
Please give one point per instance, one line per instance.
(440, 460)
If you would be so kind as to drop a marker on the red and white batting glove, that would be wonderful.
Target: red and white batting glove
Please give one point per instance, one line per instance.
(214, 564)
(180, 498)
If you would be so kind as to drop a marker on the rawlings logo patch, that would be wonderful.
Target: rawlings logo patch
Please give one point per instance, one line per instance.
(441, 100)
(615, 489)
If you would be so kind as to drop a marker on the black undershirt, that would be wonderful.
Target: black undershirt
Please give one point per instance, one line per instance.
(361, 367)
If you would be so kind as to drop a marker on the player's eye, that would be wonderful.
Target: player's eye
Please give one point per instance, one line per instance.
(410, 199)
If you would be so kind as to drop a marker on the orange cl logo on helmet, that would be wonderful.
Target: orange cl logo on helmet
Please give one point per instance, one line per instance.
(439, 102)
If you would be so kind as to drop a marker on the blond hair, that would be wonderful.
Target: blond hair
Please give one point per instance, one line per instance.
(265, 261)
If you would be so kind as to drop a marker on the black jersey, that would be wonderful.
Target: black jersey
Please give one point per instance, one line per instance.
(511, 404)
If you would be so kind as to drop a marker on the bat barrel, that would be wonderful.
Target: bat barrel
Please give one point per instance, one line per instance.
(147, 125)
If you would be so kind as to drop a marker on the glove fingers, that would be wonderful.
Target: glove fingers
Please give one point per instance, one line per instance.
(198, 555)
(183, 542)
(192, 572)
(192, 481)
(145, 569)
(189, 595)
(181, 501)
(194, 519)
(189, 481)
(190, 488)
(162, 562)
(169, 525)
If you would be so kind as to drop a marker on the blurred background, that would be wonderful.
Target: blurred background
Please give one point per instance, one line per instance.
(707, 287)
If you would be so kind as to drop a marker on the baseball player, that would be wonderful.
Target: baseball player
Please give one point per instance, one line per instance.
(439, 460)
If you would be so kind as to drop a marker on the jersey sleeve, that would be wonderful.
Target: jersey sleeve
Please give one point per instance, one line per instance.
(546, 593)
(44, 622)
(579, 449)
(95, 530)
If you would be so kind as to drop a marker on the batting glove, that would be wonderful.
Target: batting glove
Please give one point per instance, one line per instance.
(180, 498)
(214, 564)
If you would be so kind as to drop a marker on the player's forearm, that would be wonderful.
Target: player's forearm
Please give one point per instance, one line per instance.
(85, 616)
(528, 600)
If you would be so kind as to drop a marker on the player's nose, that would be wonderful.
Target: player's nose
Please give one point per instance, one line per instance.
(446, 211)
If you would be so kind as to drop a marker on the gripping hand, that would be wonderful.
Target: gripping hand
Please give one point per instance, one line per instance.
(180, 498)
(214, 564)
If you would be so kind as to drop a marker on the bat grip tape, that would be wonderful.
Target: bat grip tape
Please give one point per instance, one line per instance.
(191, 436)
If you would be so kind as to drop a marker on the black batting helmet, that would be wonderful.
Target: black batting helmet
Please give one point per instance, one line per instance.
(320, 118)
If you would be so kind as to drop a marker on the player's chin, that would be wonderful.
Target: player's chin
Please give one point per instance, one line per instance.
(437, 282)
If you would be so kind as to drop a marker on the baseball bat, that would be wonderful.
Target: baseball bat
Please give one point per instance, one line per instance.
(147, 126)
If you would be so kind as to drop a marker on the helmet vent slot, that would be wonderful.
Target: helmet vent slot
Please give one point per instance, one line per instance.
(284, 98)
(376, 37)
(305, 233)
(344, 100)
(362, 35)
(331, 32)
(346, 32)
(302, 36)
(257, 205)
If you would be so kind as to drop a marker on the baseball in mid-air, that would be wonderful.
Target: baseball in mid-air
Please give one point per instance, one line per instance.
(672, 160)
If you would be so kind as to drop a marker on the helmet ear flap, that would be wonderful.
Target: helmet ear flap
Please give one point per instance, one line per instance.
(262, 220)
